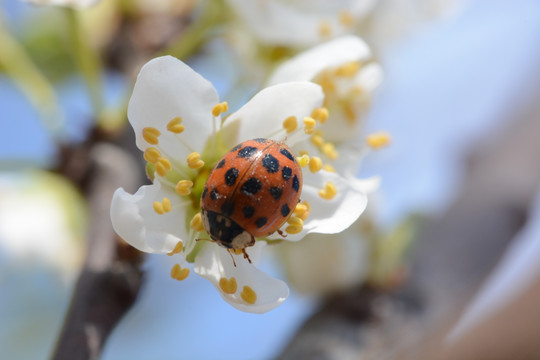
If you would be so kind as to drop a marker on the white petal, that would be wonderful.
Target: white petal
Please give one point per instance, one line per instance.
(263, 115)
(297, 23)
(307, 65)
(369, 77)
(329, 216)
(134, 219)
(167, 88)
(214, 263)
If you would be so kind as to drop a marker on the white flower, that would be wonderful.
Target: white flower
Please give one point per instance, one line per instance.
(176, 116)
(300, 23)
(77, 4)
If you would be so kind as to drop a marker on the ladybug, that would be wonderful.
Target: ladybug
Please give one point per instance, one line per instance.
(251, 192)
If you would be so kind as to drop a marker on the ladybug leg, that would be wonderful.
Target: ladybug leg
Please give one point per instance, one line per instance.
(281, 233)
(246, 256)
(230, 251)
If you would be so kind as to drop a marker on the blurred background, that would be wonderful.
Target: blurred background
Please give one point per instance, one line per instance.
(447, 250)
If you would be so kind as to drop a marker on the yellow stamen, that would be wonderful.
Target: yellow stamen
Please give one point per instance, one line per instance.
(378, 140)
(162, 207)
(152, 155)
(220, 108)
(175, 125)
(320, 114)
(177, 249)
(179, 273)
(315, 164)
(329, 168)
(296, 221)
(309, 123)
(303, 160)
(325, 29)
(194, 160)
(197, 223)
(349, 69)
(329, 191)
(228, 286)
(346, 19)
(163, 166)
(248, 295)
(290, 124)
(350, 112)
(158, 207)
(302, 211)
(317, 140)
(166, 204)
(329, 150)
(183, 187)
(295, 225)
(151, 135)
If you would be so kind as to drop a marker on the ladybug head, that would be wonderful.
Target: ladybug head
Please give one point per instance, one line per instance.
(226, 232)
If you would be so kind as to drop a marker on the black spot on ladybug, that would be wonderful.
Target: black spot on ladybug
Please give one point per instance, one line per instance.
(286, 173)
(204, 192)
(270, 163)
(260, 222)
(287, 154)
(275, 192)
(220, 164)
(285, 210)
(236, 147)
(251, 186)
(230, 176)
(214, 194)
(248, 211)
(295, 183)
(260, 140)
(247, 151)
(227, 208)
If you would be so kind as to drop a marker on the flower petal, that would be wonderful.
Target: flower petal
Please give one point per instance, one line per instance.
(134, 219)
(215, 263)
(329, 216)
(264, 114)
(307, 65)
(167, 88)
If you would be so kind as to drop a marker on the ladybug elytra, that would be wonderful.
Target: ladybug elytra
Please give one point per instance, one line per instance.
(250, 193)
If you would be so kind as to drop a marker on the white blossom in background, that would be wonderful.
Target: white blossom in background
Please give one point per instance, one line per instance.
(77, 4)
(176, 116)
(300, 23)
(42, 225)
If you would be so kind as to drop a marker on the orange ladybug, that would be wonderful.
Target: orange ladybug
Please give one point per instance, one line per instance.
(250, 193)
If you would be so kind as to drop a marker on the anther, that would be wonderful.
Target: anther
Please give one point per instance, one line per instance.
(295, 226)
(163, 166)
(175, 125)
(220, 108)
(151, 135)
(329, 150)
(194, 160)
(177, 249)
(158, 208)
(303, 160)
(320, 114)
(346, 19)
(315, 164)
(248, 295)
(152, 155)
(228, 286)
(329, 168)
(349, 69)
(197, 223)
(329, 191)
(317, 140)
(290, 124)
(378, 140)
(302, 210)
(325, 29)
(183, 187)
(179, 273)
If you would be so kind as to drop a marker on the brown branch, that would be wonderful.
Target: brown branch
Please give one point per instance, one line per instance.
(451, 258)
(110, 278)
